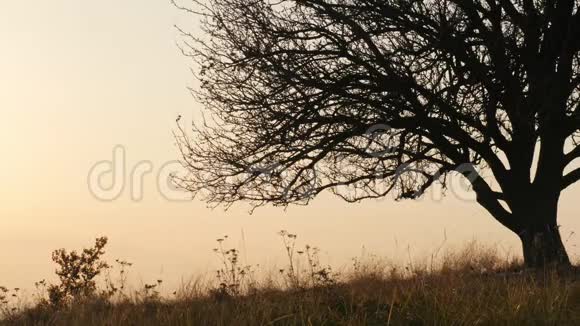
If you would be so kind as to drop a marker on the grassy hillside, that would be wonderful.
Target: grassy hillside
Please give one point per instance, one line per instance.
(470, 287)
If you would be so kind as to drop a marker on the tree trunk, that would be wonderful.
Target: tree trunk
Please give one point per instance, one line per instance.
(543, 246)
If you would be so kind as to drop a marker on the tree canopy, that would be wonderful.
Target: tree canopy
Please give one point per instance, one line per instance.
(370, 97)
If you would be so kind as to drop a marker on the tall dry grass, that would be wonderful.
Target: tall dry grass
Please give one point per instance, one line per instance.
(473, 286)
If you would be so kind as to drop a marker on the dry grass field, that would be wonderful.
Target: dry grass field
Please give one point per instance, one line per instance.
(473, 286)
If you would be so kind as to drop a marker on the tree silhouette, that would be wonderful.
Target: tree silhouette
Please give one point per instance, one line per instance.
(371, 97)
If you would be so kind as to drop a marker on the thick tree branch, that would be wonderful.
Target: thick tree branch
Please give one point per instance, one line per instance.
(571, 178)
(572, 155)
(486, 197)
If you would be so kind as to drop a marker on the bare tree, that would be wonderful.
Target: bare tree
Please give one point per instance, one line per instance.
(371, 97)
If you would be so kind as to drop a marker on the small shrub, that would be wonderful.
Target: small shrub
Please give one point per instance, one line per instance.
(77, 273)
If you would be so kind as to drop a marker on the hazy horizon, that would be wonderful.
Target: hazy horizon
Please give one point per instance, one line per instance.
(79, 78)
